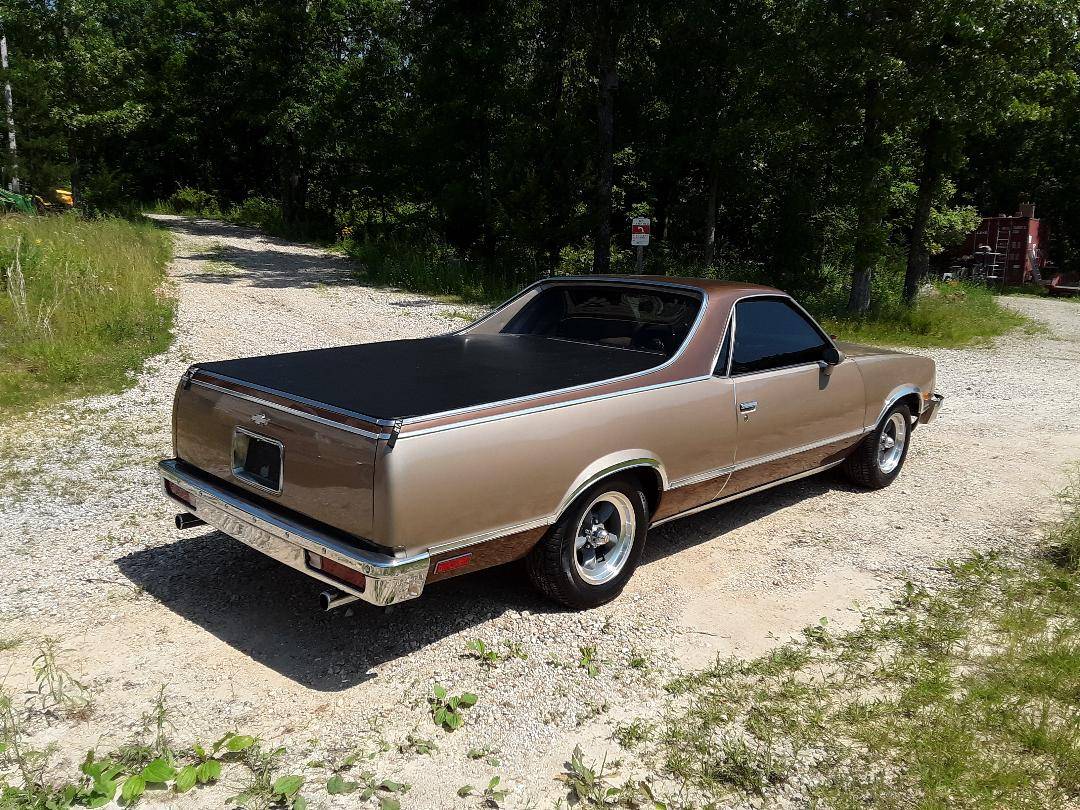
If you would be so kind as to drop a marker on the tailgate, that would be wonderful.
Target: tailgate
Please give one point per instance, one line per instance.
(313, 461)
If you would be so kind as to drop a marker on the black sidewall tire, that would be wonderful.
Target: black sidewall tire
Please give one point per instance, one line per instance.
(551, 563)
(862, 465)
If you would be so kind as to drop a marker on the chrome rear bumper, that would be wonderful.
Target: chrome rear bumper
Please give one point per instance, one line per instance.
(388, 579)
(930, 409)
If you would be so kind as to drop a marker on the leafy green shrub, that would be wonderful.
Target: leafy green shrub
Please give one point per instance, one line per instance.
(193, 202)
(105, 192)
(81, 305)
(440, 270)
(258, 212)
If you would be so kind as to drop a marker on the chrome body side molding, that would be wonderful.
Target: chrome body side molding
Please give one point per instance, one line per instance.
(767, 459)
(743, 494)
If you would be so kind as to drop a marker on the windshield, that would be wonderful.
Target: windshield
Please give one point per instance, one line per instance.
(639, 318)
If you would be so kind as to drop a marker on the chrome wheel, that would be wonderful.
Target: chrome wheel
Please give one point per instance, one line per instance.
(894, 435)
(604, 538)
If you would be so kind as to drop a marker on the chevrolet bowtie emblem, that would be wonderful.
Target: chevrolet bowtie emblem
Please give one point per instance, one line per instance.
(260, 418)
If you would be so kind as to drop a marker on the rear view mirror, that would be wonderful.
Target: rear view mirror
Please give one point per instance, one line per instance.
(830, 357)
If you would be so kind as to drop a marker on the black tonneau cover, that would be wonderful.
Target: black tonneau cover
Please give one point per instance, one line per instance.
(402, 378)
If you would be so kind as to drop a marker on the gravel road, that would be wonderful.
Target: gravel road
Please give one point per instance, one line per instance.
(90, 556)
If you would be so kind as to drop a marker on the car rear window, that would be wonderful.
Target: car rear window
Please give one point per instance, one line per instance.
(638, 318)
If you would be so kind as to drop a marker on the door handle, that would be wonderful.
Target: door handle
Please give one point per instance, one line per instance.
(748, 407)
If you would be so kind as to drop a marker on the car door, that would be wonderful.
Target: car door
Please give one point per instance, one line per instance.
(795, 412)
(710, 426)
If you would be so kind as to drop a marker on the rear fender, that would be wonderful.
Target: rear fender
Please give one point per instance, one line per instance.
(613, 464)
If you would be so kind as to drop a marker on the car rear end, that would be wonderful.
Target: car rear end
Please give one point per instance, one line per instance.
(288, 477)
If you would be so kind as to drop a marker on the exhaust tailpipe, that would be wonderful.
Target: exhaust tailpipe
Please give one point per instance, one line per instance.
(333, 599)
(186, 520)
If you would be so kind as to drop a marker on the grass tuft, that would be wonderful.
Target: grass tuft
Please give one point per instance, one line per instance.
(80, 305)
(967, 696)
(948, 315)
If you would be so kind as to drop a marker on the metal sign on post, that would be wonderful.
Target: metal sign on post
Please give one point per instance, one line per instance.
(639, 231)
(639, 237)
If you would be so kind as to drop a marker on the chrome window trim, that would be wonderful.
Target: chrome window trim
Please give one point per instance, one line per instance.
(729, 327)
(585, 386)
(799, 307)
(286, 409)
(577, 280)
(242, 475)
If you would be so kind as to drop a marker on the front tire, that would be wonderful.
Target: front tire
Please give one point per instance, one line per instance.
(591, 552)
(878, 459)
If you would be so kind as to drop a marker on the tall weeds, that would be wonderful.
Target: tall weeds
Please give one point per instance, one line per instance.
(80, 305)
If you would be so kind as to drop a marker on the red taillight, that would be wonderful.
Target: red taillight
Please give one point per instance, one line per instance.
(180, 493)
(452, 564)
(338, 571)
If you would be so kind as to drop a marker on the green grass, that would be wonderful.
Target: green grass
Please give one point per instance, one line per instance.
(947, 315)
(80, 306)
(967, 696)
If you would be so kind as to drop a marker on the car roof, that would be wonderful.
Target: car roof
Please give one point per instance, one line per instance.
(714, 288)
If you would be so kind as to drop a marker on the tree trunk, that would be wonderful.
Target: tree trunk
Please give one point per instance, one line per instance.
(607, 81)
(918, 258)
(870, 202)
(710, 214)
(552, 154)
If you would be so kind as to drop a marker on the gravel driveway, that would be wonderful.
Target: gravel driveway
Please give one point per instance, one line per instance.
(90, 556)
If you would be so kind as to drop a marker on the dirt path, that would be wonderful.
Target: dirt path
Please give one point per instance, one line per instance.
(90, 556)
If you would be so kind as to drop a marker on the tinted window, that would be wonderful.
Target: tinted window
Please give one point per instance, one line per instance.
(641, 318)
(770, 333)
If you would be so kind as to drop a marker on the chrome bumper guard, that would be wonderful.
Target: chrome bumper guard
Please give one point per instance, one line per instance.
(389, 579)
(930, 410)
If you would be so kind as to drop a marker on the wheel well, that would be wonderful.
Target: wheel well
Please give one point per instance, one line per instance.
(651, 484)
(914, 403)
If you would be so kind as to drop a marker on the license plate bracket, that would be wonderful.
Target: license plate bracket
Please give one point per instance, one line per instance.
(257, 460)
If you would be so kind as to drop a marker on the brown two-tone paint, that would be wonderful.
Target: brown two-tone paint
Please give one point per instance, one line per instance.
(468, 481)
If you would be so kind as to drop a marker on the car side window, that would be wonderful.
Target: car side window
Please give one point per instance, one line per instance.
(771, 333)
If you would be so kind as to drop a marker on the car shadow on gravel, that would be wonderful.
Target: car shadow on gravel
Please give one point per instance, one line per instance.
(671, 538)
(271, 613)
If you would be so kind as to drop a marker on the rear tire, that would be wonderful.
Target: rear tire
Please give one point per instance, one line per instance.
(591, 552)
(878, 458)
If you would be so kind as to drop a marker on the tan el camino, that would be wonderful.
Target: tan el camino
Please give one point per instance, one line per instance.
(559, 428)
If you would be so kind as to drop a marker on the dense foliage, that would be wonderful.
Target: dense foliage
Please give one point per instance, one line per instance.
(810, 142)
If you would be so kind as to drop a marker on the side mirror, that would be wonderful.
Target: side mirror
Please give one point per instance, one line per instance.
(832, 356)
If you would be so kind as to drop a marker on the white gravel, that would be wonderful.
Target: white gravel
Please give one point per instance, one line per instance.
(90, 556)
